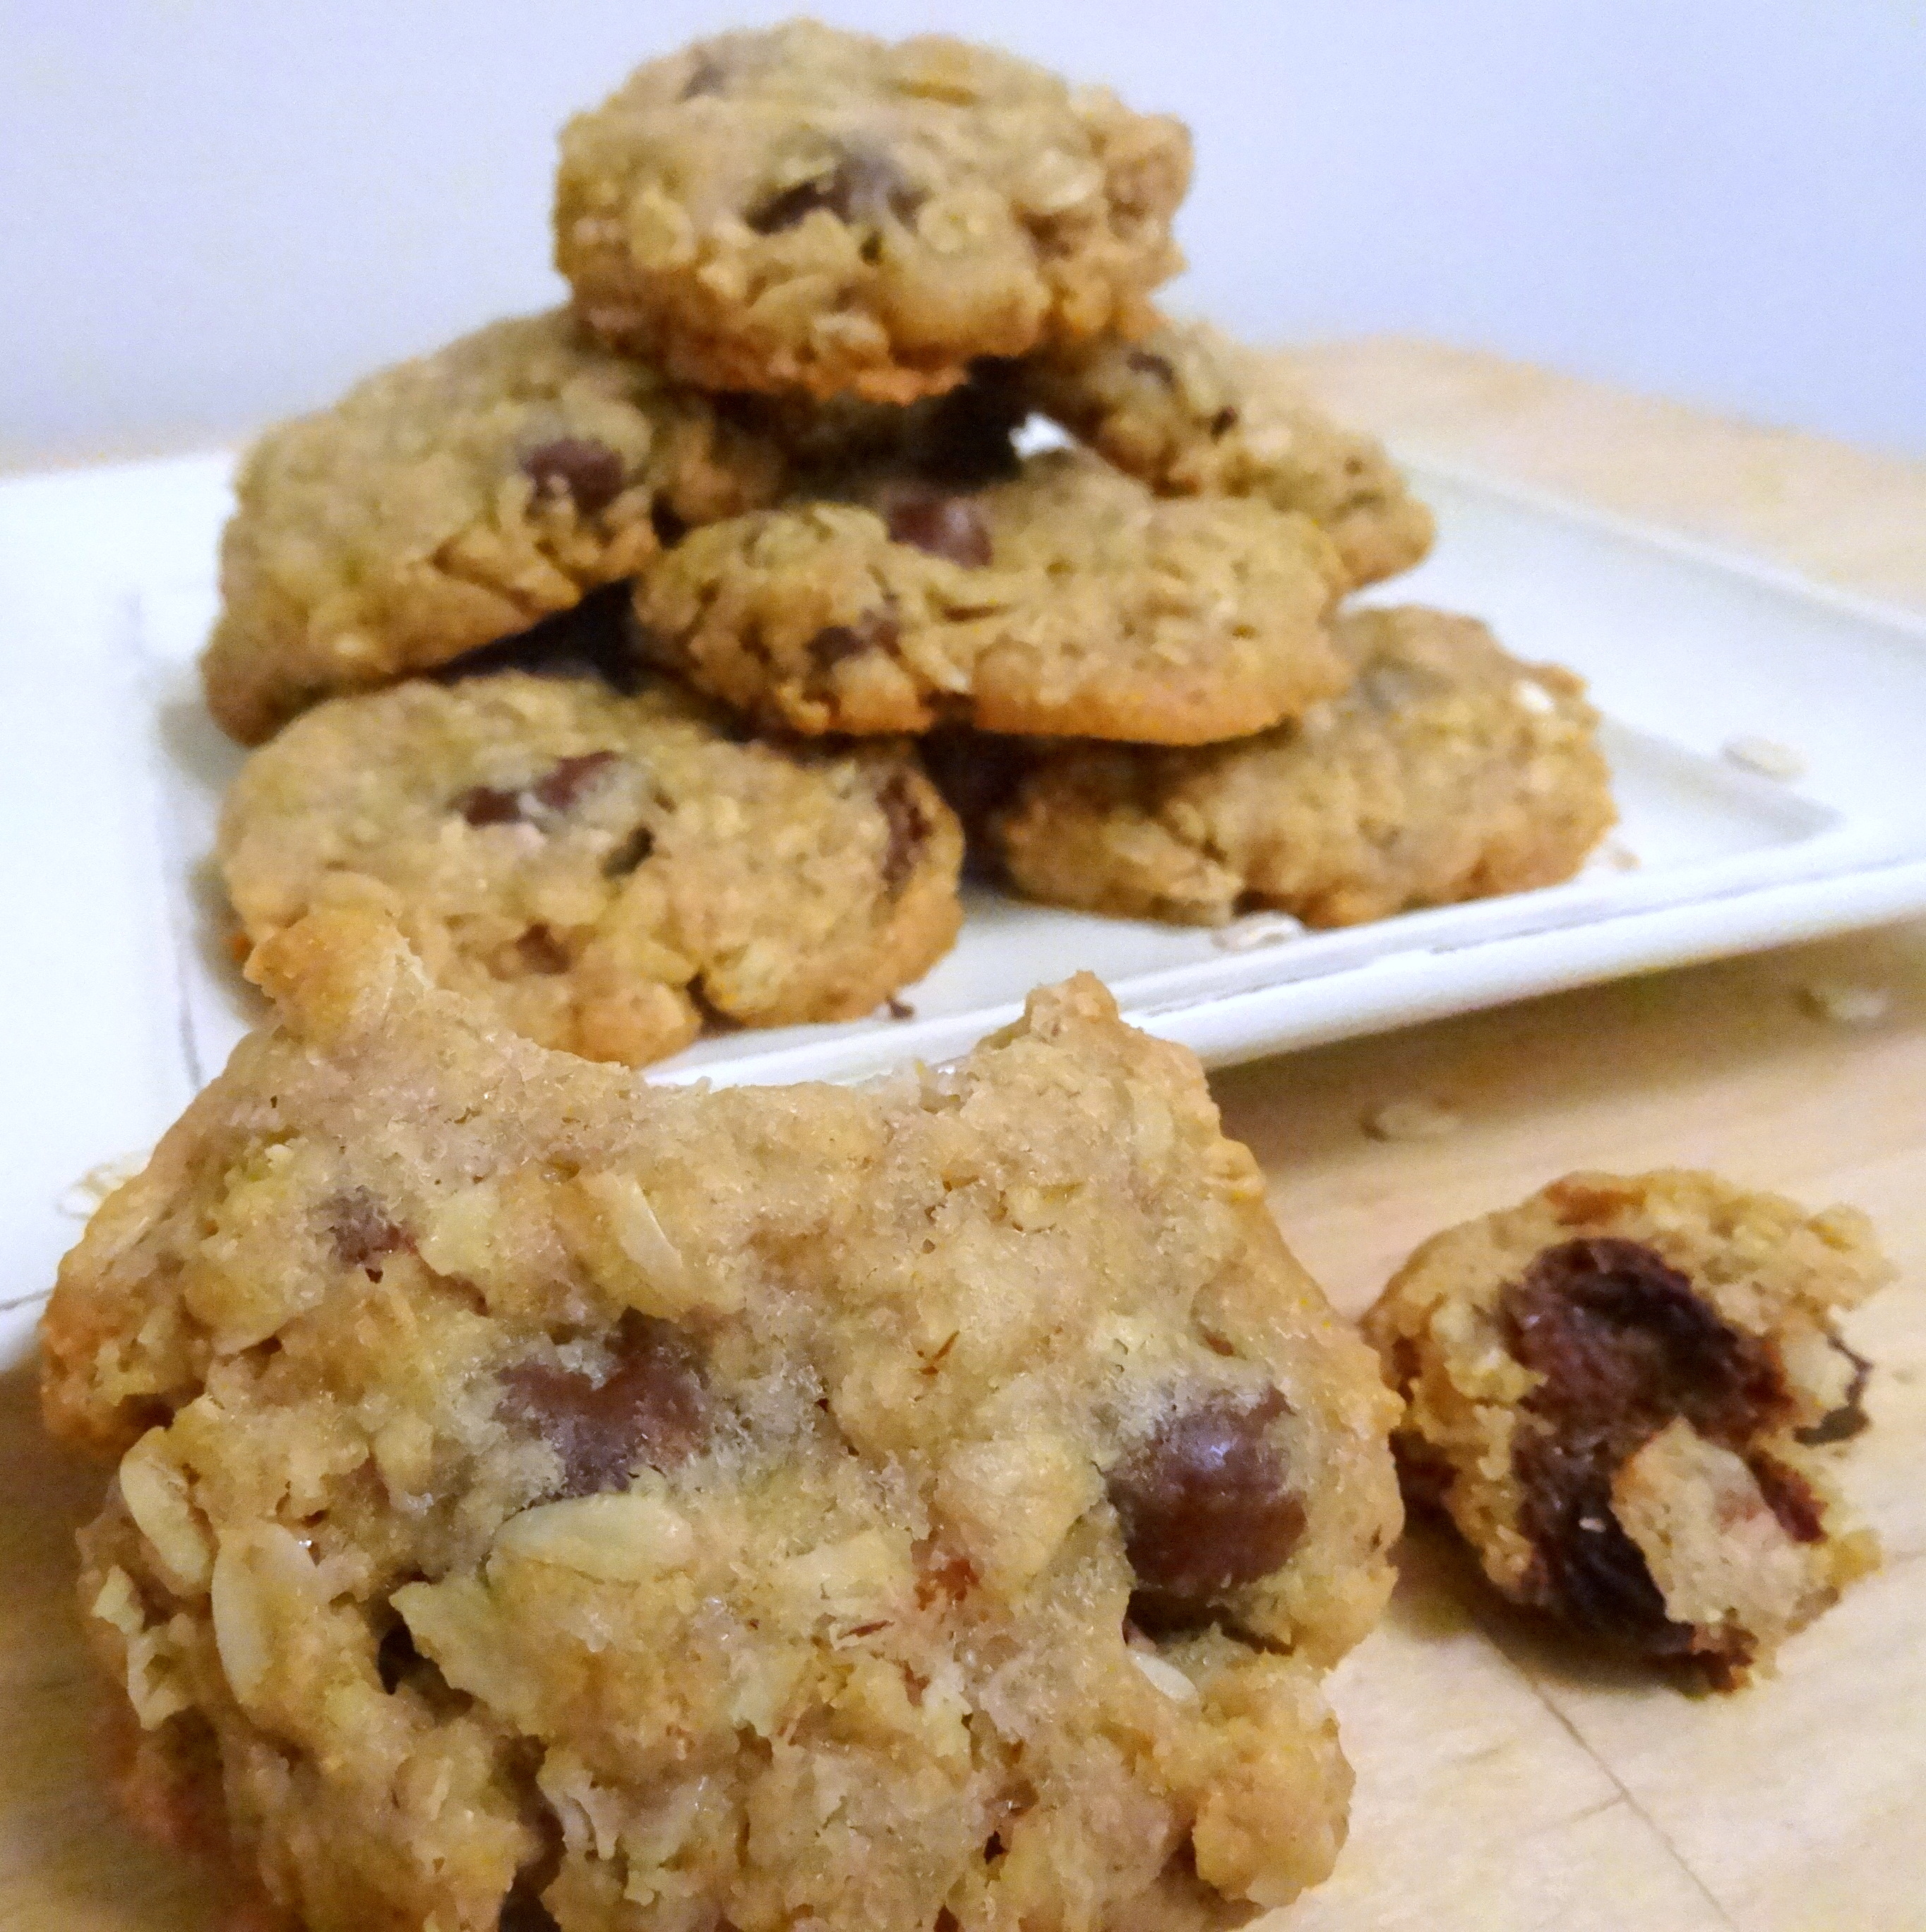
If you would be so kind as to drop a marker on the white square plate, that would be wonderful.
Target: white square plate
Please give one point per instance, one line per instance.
(124, 1000)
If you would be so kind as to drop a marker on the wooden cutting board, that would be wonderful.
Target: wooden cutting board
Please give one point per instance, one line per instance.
(1503, 1784)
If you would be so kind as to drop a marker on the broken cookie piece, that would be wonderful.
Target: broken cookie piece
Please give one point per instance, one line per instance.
(548, 1500)
(1622, 1391)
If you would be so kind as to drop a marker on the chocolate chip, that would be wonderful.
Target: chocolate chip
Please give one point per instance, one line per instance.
(588, 472)
(594, 638)
(909, 830)
(541, 951)
(486, 804)
(1624, 1346)
(1790, 1498)
(650, 1407)
(864, 187)
(629, 854)
(1843, 1423)
(1206, 1507)
(952, 527)
(899, 1010)
(360, 1230)
(559, 789)
(835, 642)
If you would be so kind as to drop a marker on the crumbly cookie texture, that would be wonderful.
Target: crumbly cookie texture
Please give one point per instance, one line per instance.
(1194, 413)
(1623, 1392)
(1066, 598)
(804, 208)
(1449, 771)
(453, 500)
(543, 1493)
(598, 869)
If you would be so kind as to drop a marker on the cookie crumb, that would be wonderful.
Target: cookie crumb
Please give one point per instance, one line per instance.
(1534, 697)
(1415, 1119)
(1766, 756)
(1260, 928)
(80, 1201)
(899, 1010)
(1845, 1005)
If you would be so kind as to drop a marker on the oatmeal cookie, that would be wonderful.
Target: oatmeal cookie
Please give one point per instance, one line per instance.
(453, 500)
(1449, 771)
(1194, 413)
(1066, 598)
(924, 1505)
(801, 207)
(601, 869)
(1621, 1392)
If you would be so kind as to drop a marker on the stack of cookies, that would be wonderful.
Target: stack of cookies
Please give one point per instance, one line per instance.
(765, 487)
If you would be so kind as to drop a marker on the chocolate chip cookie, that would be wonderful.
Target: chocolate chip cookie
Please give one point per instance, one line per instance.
(801, 207)
(600, 870)
(1448, 771)
(547, 1499)
(1623, 1392)
(1194, 413)
(1067, 597)
(451, 501)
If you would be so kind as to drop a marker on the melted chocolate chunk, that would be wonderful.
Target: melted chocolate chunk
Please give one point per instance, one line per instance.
(360, 1230)
(588, 472)
(1624, 1346)
(487, 804)
(651, 1407)
(559, 789)
(951, 527)
(1843, 1423)
(1206, 1507)
(863, 187)
(595, 638)
(909, 830)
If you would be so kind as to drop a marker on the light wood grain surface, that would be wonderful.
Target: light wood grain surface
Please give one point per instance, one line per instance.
(1503, 1784)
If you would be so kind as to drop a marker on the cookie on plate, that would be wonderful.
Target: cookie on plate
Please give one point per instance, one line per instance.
(801, 207)
(543, 1493)
(601, 870)
(1194, 413)
(1448, 771)
(450, 501)
(1621, 1391)
(1066, 598)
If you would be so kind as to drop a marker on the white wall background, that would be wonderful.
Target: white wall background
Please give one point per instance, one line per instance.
(215, 212)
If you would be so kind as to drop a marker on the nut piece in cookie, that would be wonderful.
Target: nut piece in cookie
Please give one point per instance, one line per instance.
(1449, 771)
(802, 208)
(1066, 598)
(598, 869)
(813, 1505)
(1621, 1392)
(1194, 413)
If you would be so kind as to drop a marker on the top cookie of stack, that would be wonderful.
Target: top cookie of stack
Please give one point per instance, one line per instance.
(819, 280)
